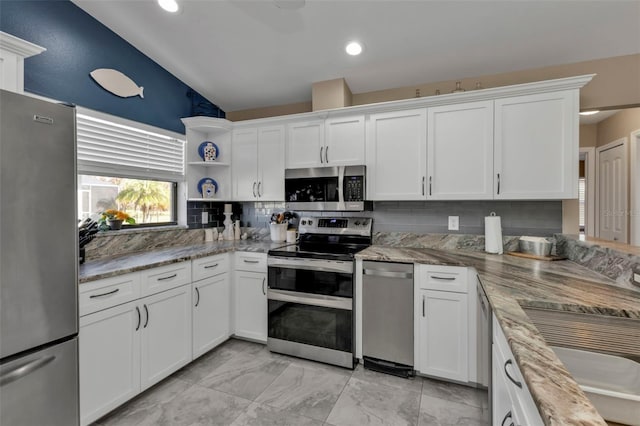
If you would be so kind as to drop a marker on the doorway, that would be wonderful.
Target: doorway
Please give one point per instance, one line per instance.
(635, 187)
(587, 192)
(612, 199)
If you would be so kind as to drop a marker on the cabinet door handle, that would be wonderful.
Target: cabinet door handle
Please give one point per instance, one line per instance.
(515, 382)
(498, 183)
(326, 154)
(263, 289)
(430, 185)
(198, 294)
(423, 178)
(435, 277)
(139, 319)
(321, 149)
(254, 189)
(167, 278)
(423, 312)
(211, 266)
(507, 416)
(93, 296)
(259, 191)
(250, 261)
(147, 319)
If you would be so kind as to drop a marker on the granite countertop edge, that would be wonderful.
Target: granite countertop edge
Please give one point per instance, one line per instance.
(510, 284)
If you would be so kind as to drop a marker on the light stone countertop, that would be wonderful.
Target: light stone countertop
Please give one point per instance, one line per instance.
(510, 283)
(104, 268)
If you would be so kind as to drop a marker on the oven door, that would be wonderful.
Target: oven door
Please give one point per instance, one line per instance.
(311, 326)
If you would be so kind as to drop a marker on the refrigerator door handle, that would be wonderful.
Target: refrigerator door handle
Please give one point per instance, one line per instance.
(23, 370)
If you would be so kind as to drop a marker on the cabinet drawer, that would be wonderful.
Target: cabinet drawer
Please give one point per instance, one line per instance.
(102, 294)
(165, 277)
(209, 266)
(252, 262)
(444, 278)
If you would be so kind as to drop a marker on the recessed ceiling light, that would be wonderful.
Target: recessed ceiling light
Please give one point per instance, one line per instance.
(169, 5)
(595, 111)
(353, 48)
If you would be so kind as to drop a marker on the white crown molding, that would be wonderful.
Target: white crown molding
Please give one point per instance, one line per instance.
(568, 83)
(19, 46)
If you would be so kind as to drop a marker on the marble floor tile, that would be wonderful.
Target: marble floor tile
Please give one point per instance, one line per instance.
(144, 405)
(307, 389)
(370, 403)
(412, 384)
(264, 415)
(245, 374)
(436, 411)
(454, 392)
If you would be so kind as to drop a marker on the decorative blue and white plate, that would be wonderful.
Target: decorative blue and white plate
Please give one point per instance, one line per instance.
(208, 151)
(207, 187)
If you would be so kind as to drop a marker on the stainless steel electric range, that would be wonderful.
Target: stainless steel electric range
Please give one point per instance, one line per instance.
(311, 289)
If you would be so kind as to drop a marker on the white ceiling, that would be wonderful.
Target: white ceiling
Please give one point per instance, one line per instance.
(245, 54)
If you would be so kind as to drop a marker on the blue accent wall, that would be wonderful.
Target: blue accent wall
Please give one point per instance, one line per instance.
(77, 44)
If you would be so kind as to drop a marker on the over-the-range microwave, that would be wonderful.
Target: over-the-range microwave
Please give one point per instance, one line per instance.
(340, 188)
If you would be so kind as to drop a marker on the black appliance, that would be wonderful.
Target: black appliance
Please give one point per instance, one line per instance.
(311, 287)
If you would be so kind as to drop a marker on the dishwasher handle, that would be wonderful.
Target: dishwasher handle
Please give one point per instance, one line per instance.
(388, 274)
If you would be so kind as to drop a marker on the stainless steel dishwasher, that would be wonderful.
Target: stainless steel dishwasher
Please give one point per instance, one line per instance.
(387, 317)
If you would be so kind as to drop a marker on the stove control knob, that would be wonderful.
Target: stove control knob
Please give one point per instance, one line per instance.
(364, 222)
(304, 222)
(310, 222)
(358, 223)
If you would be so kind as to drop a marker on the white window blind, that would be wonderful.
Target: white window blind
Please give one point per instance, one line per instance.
(107, 147)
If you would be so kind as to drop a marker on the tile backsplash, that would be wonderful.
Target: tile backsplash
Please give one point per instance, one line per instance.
(536, 218)
(214, 211)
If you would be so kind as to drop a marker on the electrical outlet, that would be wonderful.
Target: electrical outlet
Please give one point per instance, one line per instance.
(205, 218)
(454, 223)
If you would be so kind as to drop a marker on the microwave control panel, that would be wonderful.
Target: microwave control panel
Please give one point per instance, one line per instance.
(354, 188)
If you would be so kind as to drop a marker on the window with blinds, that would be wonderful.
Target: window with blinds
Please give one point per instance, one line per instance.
(129, 167)
(106, 147)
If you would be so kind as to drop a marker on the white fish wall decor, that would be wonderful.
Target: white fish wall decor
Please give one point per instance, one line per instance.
(116, 82)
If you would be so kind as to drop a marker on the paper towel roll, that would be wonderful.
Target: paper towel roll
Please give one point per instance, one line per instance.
(492, 234)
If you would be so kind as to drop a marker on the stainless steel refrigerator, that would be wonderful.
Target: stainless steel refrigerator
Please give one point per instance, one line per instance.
(38, 263)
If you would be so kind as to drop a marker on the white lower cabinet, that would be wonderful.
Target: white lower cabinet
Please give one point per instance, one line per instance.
(250, 295)
(109, 354)
(445, 343)
(166, 334)
(511, 401)
(211, 313)
(443, 335)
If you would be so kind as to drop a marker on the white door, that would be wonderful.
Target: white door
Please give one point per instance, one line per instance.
(397, 155)
(166, 334)
(305, 144)
(612, 192)
(244, 164)
(211, 313)
(344, 141)
(250, 293)
(271, 163)
(460, 151)
(536, 146)
(444, 333)
(635, 188)
(109, 357)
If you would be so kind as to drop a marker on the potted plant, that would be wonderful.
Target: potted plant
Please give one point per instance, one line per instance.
(114, 219)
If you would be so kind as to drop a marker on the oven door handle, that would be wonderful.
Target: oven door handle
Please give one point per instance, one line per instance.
(311, 265)
(311, 299)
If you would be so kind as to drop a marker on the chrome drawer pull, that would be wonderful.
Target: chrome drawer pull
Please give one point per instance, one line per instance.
(508, 416)
(251, 261)
(211, 266)
(167, 278)
(198, 293)
(443, 278)
(93, 296)
(515, 382)
(25, 369)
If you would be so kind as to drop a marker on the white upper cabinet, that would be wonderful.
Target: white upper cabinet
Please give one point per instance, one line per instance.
(536, 146)
(460, 151)
(13, 51)
(344, 141)
(397, 155)
(258, 164)
(336, 141)
(305, 144)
